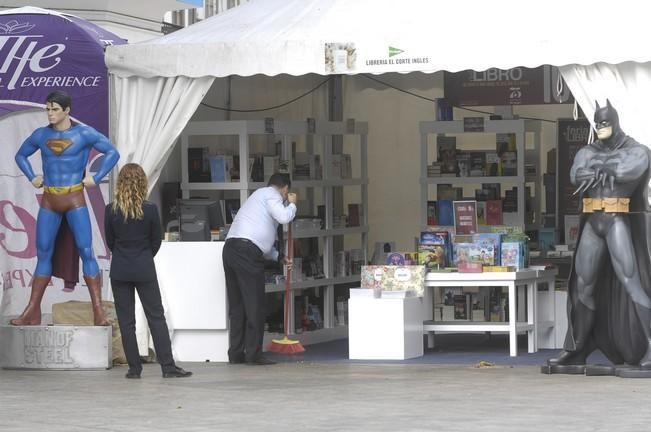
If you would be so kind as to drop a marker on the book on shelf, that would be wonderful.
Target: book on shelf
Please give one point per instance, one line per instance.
(447, 154)
(477, 163)
(493, 165)
(513, 254)
(572, 223)
(445, 212)
(463, 164)
(489, 242)
(493, 191)
(402, 258)
(509, 163)
(448, 192)
(494, 212)
(354, 215)
(220, 168)
(198, 169)
(432, 218)
(505, 142)
(462, 307)
(434, 249)
(465, 217)
(481, 212)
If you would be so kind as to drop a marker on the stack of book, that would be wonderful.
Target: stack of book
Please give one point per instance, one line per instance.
(434, 169)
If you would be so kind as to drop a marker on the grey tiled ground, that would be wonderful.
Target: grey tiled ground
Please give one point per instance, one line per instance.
(322, 397)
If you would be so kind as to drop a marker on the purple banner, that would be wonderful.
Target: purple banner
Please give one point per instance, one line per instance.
(40, 53)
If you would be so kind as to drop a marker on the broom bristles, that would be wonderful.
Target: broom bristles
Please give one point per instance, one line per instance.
(285, 346)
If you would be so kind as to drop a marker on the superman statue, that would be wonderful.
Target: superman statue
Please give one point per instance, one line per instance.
(609, 289)
(65, 149)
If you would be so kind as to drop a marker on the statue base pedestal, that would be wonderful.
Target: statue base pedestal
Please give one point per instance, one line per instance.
(622, 371)
(563, 369)
(59, 347)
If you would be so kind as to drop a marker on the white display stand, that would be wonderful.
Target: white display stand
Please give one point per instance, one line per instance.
(529, 279)
(552, 337)
(193, 287)
(385, 329)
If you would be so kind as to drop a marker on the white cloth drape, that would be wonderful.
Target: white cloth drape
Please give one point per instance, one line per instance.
(150, 114)
(626, 85)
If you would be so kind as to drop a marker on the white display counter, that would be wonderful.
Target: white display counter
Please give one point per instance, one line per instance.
(193, 287)
(385, 329)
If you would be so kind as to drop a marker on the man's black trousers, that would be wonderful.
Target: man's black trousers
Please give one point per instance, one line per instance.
(244, 271)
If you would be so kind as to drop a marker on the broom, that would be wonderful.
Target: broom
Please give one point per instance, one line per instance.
(286, 345)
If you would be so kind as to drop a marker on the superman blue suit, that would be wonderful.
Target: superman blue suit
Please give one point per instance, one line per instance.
(64, 155)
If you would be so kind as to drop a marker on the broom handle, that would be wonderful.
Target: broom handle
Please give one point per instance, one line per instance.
(288, 276)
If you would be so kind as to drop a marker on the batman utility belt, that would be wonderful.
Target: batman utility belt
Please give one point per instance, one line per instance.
(63, 190)
(607, 205)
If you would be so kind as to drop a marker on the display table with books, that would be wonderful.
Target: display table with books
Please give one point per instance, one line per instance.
(512, 320)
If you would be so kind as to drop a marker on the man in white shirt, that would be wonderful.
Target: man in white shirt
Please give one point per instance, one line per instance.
(249, 242)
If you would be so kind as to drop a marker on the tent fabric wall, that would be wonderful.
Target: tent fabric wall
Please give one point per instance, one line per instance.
(151, 114)
(626, 85)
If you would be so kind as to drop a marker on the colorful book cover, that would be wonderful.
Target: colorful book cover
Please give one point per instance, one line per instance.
(513, 254)
(489, 242)
(404, 278)
(465, 217)
(433, 257)
(494, 212)
(402, 258)
(371, 276)
(462, 253)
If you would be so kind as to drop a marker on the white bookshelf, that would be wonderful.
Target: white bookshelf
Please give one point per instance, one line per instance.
(524, 156)
(318, 139)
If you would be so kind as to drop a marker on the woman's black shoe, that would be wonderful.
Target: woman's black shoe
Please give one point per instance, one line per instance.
(132, 375)
(177, 373)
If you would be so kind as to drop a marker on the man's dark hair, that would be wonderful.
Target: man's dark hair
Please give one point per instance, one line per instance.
(279, 180)
(59, 97)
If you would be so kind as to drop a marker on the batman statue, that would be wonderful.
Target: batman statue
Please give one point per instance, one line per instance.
(609, 292)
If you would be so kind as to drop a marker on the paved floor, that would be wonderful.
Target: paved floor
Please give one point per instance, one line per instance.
(322, 397)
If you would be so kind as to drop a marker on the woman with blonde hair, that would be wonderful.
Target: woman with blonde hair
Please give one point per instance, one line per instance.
(134, 235)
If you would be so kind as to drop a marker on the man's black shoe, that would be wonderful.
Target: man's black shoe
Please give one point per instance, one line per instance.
(177, 373)
(261, 361)
(236, 360)
(132, 375)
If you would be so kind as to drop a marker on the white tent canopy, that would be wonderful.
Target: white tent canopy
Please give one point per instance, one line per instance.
(158, 84)
(290, 37)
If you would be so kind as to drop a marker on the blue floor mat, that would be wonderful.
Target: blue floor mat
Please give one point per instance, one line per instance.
(465, 349)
